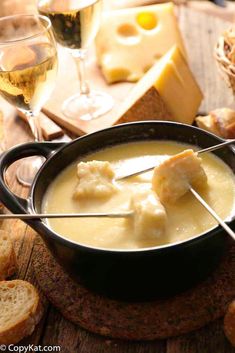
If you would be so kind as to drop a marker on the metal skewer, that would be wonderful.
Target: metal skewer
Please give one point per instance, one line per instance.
(216, 147)
(125, 213)
(213, 213)
(208, 149)
(67, 215)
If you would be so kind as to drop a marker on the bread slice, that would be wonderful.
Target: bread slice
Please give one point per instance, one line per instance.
(7, 256)
(20, 310)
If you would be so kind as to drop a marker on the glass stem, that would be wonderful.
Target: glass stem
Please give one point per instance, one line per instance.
(80, 56)
(35, 127)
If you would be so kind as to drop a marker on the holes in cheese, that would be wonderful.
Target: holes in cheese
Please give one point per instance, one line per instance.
(174, 176)
(147, 20)
(157, 56)
(128, 34)
(119, 73)
(146, 68)
(127, 30)
(95, 180)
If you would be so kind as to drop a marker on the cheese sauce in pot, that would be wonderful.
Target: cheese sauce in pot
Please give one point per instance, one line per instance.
(185, 219)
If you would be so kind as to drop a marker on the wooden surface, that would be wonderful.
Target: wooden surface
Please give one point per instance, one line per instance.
(227, 13)
(54, 329)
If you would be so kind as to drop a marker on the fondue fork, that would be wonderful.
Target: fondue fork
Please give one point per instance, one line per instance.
(28, 216)
(114, 214)
(125, 214)
(208, 149)
(213, 213)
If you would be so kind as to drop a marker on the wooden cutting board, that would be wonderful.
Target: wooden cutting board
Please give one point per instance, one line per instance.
(200, 32)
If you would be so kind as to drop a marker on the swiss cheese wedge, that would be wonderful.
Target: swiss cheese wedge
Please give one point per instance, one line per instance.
(168, 91)
(131, 40)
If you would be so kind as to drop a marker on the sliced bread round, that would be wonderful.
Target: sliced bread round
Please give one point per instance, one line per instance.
(20, 311)
(7, 256)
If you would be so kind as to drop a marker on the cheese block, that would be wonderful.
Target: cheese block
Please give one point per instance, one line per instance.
(130, 41)
(168, 91)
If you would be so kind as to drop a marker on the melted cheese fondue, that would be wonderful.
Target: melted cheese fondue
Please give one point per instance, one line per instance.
(185, 218)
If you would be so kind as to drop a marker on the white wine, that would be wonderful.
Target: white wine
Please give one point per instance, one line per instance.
(75, 22)
(27, 75)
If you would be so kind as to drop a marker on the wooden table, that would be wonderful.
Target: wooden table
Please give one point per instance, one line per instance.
(53, 328)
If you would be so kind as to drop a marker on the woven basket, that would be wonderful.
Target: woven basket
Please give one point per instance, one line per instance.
(225, 57)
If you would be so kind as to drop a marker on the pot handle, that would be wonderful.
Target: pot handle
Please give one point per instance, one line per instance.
(13, 202)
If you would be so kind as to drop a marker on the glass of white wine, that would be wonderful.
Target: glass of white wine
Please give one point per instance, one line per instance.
(28, 67)
(75, 24)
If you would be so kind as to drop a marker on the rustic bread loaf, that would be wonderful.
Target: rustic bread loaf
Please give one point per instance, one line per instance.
(20, 312)
(7, 256)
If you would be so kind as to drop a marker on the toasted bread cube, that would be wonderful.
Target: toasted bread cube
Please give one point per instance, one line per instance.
(95, 179)
(173, 178)
(150, 216)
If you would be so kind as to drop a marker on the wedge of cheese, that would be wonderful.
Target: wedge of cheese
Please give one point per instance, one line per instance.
(168, 91)
(130, 41)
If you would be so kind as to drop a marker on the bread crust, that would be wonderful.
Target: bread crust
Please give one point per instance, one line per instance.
(26, 324)
(229, 323)
(219, 121)
(8, 258)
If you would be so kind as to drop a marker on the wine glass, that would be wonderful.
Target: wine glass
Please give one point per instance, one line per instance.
(28, 67)
(75, 24)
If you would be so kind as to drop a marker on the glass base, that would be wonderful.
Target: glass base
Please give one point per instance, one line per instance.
(83, 107)
(27, 170)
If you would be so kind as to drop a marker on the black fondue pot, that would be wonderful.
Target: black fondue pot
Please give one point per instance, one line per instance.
(123, 274)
